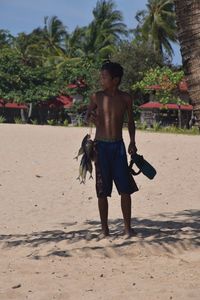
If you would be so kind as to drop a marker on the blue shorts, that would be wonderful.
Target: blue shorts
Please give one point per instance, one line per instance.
(111, 165)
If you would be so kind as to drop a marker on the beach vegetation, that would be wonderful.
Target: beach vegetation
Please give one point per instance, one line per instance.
(170, 129)
(2, 119)
(165, 79)
(18, 120)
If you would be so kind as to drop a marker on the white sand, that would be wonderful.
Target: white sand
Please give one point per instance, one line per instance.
(50, 223)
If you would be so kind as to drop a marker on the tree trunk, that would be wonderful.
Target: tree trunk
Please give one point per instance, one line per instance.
(188, 22)
(23, 115)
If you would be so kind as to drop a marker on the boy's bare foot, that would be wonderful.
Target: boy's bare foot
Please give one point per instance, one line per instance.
(128, 233)
(104, 234)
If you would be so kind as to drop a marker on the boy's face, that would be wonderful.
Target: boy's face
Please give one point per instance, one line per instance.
(107, 81)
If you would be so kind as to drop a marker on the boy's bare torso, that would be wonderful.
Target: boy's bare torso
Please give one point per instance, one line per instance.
(110, 114)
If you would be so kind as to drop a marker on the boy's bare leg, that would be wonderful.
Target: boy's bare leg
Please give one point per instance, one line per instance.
(126, 211)
(103, 211)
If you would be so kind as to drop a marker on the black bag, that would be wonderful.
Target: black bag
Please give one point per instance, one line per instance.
(144, 166)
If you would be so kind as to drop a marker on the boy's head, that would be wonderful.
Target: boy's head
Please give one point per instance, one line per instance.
(111, 74)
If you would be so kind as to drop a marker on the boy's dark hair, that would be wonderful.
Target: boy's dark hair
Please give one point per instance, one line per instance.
(114, 69)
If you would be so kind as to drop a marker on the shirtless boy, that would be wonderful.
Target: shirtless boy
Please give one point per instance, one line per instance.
(107, 110)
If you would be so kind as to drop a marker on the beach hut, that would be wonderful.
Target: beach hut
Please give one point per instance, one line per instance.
(167, 114)
(52, 109)
(11, 110)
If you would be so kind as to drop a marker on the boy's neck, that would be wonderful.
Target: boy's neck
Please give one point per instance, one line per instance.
(111, 92)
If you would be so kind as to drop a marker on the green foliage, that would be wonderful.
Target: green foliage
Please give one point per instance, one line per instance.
(34, 121)
(141, 126)
(2, 119)
(51, 122)
(31, 48)
(166, 79)
(156, 126)
(85, 69)
(18, 120)
(136, 59)
(23, 83)
(6, 38)
(66, 123)
(172, 129)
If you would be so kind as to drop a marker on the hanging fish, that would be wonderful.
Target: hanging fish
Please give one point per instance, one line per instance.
(86, 150)
(81, 150)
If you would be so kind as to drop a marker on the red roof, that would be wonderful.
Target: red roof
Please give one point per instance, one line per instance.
(60, 101)
(79, 83)
(157, 105)
(72, 86)
(5, 104)
(66, 101)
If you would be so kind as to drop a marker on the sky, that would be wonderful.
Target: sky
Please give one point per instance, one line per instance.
(26, 15)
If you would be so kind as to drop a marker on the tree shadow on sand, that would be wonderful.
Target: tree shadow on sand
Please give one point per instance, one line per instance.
(168, 231)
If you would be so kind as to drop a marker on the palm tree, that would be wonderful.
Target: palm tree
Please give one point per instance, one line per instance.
(55, 34)
(188, 21)
(158, 26)
(106, 30)
(43, 45)
(57, 41)
(74, 42)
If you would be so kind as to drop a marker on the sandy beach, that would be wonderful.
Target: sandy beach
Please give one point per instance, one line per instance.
(49, 246)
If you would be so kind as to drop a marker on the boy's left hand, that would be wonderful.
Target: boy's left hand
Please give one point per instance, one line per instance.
(93, 117)
(132, 149)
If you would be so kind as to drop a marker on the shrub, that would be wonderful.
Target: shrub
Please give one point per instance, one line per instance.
(18, 120)
(156, 126)
(2, 119)
(65, 123)
(34, 121)
(51, 122)
(141, 126)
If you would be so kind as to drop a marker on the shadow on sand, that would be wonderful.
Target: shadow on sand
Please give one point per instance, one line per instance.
(170, 230)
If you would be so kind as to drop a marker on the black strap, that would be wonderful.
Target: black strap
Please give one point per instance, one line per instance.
(134, 173)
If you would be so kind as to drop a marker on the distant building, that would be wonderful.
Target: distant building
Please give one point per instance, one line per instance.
(169, 114)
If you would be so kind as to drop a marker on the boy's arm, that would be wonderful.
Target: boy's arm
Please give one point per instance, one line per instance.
(131, 126)
(90, 114)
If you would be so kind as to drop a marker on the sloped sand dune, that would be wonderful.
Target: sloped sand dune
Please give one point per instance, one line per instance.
(49, 223)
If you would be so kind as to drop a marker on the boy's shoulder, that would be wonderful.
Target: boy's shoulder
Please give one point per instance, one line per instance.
(125, 94)
(98, 95)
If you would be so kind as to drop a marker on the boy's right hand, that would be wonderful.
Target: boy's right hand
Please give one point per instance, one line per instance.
(132, 149)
